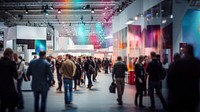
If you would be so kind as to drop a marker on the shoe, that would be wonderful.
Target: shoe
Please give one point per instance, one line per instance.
(120, 103)
(152, 107)
(141, 106)
(136, 104)
(68, 103)
(20, 107)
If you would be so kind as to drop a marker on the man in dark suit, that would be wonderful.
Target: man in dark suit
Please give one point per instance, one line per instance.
(8, 93)
(42, 79)
(153, 69)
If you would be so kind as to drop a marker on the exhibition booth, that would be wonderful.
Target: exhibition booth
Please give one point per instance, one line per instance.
(141, 28)
(26, 41)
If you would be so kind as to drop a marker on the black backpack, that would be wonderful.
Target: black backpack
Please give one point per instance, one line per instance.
(91, 69)
(161, 71)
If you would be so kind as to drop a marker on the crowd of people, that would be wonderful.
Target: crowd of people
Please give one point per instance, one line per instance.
(40, 71)
(183, 78)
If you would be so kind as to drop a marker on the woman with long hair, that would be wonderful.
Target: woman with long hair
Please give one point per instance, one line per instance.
(140, 81)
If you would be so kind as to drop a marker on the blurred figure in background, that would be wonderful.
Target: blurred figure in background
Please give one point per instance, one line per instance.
(77, 75)
(59, 76)
(106, 64)
(183, 82)
(20, 69)
(8, 91)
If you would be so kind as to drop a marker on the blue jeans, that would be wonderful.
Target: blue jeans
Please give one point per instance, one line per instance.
(89, 76)
(43, 101)
(19, 84)
(68, 83)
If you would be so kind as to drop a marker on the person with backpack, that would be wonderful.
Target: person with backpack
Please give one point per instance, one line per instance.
(153, 70)
(77, 75)
(59, 62)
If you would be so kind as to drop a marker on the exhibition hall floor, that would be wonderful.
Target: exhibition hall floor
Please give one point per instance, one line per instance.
(98, 99)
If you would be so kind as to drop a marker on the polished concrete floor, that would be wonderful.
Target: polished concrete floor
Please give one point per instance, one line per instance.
(98, 99)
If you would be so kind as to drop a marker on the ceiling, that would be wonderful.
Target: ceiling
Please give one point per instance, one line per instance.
(75, 20)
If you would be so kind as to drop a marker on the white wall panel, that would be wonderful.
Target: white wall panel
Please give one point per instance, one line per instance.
(27, 32)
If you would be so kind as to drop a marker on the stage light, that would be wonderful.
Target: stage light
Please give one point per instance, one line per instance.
(106, 8)
(130, 21)
(136, 18)
(164, 21)
(92, 10)
(59, 11)
(46, 13)
(26, 10)
(51, 7)
(171, 16)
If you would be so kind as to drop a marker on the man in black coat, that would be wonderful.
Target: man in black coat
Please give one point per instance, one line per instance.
(8, 93)
(153, 69)
(183, 83)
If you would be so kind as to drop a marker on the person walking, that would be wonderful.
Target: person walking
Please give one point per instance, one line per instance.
(77, 75)
(140, 81)
(86, 69)
(106, 65)
(67, 70)
(20, 69)
(42, 79)
(153, 70)
(118, 75)
(8, 91)
(59, 76)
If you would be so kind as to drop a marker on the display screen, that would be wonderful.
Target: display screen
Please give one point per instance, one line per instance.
(191, 30)
(40, 45)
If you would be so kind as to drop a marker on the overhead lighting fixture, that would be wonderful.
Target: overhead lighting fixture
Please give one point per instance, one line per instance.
(109, 37)
(136, 18)
(51, 7)
(46, 13)
(106, 8)
(59, 11)
(164, 21)
(26, 10)
(130, 21)
(92, 10)
(120, 10)
(171, 16)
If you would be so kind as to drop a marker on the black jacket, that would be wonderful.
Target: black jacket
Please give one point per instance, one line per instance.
(153, 70)
(139, 72)
(119, 70)
(8, 71)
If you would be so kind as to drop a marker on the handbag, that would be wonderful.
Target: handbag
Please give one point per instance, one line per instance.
(112, 87)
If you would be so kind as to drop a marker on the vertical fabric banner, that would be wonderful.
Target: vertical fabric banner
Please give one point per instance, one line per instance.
(153, 35)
